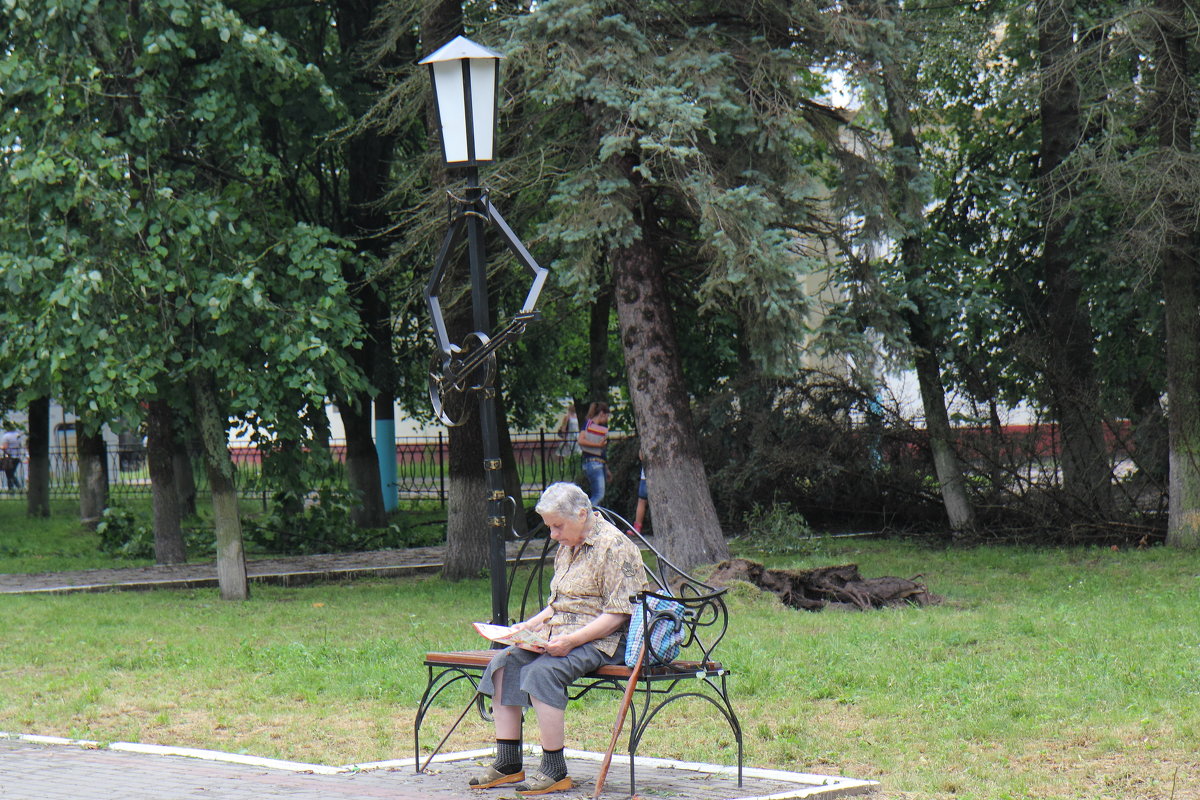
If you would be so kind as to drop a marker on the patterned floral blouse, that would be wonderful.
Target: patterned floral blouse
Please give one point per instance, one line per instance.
(593, 578)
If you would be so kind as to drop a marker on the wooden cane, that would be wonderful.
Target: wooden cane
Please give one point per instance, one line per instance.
(621, 712)
(438, 749)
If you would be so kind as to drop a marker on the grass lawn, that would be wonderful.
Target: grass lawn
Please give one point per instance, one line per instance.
(1055, 673)
(55, 543)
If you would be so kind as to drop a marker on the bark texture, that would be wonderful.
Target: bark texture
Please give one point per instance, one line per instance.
(959, 511)
(685, 520)
(1175, 117)
(466, 502)
(93, 477)
(362, 465)
(185, 474)
(231, 557)
(37, 482)
(598, 379)
(169, 547)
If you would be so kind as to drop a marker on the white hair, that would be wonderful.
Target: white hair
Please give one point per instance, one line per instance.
(565, 499)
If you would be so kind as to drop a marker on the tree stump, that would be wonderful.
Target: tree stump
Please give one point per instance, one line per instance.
(836, 587)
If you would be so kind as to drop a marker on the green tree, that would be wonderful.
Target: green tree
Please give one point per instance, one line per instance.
(1172, 107)
(683, 142)
(144, 229)
(883, 44)
(1059, 312)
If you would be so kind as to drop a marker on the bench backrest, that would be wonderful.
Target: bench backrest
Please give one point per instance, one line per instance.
(706, 616)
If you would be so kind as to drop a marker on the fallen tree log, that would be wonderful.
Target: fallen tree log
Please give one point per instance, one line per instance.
(836, 587)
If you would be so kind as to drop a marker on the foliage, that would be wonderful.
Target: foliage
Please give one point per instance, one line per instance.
(796, 444)
(324, 525)
(778, 531)
(147, 140)
(122, 533)
(709, 112)
(175, 203)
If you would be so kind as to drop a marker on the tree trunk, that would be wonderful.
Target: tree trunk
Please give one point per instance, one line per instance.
(231, 557)
(93, 476)
(1175, 110)
(183, 451)
(362, 465)
(959, 511)
(598, 380)
(906, 150)
(37, 483)
(161, 457)
(385, 448)
(512, 474)
(467, 530)
(1066, 331)
(1179, 278)
(685, 521)
(369, 152)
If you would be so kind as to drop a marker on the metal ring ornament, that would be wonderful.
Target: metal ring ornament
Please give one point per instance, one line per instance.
(451, 378)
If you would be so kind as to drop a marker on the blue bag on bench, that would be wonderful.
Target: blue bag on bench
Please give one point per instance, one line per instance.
(666, 632)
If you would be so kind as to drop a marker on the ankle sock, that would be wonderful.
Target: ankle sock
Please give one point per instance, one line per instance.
(554, 764)
(508, 756)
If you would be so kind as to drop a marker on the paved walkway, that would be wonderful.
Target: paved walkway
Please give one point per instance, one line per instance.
(293, 570)
(37, 768)
(44, 768)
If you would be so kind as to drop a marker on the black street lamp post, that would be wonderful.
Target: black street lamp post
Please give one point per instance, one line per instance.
(465, 78)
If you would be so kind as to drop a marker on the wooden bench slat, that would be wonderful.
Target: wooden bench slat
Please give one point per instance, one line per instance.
(481, 658)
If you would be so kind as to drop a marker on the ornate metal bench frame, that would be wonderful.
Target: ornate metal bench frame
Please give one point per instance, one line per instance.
(695, 674)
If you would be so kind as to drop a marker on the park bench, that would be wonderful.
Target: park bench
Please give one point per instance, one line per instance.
(695, 673)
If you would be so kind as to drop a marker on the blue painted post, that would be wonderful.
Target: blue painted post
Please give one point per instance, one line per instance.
(385, 450)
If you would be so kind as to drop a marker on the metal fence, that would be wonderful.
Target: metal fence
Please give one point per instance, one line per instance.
(422, 467)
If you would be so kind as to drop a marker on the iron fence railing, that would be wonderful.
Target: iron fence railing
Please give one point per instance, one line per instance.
(422, 466)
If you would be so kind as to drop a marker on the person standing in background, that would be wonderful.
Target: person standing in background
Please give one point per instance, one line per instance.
(593, 440)
(568, 430)
(639, 516)
(12, 453)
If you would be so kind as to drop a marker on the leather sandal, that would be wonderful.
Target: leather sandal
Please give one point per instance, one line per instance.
(541, 783)
(493, 777)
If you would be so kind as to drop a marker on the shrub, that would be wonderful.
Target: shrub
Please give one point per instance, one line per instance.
(779, 531)
(809, 445)
(322, 523)
(123, 534)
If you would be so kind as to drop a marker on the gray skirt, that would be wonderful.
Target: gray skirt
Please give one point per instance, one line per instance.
(544, 676)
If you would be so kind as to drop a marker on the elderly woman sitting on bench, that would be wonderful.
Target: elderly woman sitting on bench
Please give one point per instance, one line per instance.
(596, 570)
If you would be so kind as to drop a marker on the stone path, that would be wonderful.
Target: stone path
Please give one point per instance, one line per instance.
(39, 768)
(292, 570)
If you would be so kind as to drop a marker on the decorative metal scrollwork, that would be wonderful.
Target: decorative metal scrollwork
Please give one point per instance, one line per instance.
(460, 370)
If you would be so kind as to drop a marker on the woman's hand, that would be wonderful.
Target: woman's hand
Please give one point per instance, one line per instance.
(536, 622)
(561, 645)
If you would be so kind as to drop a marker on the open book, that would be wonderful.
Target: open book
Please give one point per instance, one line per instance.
(506, 635)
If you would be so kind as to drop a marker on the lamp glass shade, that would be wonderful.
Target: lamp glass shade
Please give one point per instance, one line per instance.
(459, 135)
(465, 80)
